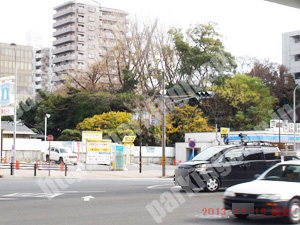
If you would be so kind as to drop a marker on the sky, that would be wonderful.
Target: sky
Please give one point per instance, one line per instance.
(250, 28)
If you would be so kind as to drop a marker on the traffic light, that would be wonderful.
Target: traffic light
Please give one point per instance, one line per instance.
(152, 120)
(205, 94)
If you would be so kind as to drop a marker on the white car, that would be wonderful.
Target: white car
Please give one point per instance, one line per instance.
(276, 192)
(62, 154)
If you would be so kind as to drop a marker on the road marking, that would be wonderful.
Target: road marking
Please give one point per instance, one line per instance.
(87, 198)
(8, 199)
(160, 185)
(34, 195)
(82, 191)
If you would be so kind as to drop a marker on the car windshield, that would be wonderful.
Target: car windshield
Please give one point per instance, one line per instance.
(210, 153)
(290, 173)
(65, 150)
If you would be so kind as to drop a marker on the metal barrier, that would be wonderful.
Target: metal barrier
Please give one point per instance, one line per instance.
(34, 167)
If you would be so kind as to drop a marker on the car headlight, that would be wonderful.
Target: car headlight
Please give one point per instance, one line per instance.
(269, 196)
(229, 194)
(201, 167)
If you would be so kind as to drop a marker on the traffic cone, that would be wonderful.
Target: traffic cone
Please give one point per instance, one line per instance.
(161, 162)
(17, 165)
(37, 163)
(174, 163)
(62, 166)
(5, 160)
(179, 161)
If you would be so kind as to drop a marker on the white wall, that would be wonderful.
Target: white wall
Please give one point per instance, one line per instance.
(149, 151)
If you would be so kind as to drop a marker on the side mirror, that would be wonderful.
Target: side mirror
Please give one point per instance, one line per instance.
(256, 176)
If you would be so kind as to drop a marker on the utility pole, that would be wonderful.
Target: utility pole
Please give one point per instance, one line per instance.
(140, 158)
(163, 127)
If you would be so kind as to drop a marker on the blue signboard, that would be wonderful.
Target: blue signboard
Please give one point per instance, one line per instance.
(5, 94)
(119, 156)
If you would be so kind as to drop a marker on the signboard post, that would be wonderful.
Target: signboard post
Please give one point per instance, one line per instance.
(49, 138)
(192, 145)
(225, 134)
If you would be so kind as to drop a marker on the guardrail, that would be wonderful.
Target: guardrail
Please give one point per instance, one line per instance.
(34, 167)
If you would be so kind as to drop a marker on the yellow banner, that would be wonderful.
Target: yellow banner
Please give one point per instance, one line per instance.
(98, 146)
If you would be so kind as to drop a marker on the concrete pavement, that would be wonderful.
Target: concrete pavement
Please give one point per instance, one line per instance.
(91, 172)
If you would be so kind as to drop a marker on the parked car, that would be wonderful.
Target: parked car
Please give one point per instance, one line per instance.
(62, 154)
(276, 192)
(226, 165)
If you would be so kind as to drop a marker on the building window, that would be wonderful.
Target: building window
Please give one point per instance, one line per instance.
(91, 18)
(91, 46)
(91, 37)
(296, 38)
(92, 9)
(91, 56)
(91, 27)
(297, 57)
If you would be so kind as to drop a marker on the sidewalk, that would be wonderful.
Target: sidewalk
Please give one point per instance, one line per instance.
(93, 172)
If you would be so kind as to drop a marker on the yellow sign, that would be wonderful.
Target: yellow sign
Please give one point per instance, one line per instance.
(224, 131)
(98, 152)
(91, 135)
(98, 146)
(128, 139)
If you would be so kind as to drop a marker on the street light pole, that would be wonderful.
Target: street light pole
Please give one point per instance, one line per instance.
(294, 115)
(13, 156)
(46, 116)
(163, 127)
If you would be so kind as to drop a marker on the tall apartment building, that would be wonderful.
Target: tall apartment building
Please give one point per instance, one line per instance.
(24, 59)
(43, 72)
(84, 32)
(291, 53)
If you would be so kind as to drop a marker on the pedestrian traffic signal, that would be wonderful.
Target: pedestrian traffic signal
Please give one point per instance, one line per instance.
(152, 120)
(205, 94)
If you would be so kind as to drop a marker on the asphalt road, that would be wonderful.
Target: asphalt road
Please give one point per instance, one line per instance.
(113, 201)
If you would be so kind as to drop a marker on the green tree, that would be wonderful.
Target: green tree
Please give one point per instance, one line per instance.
(250, 101)
(114, 125)
(70, 135)
(185, 120)
(202, 54)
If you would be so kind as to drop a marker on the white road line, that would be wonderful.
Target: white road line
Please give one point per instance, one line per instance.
(83, 191)
(8, 199)
(161, 185)
(34, 195)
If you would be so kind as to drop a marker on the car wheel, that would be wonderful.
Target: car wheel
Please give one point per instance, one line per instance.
(241, 216)
(60, 160)
(212, 184)
(294, 214)
(47, 158)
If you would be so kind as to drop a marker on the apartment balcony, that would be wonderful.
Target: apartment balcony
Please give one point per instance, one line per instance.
(64, 58)
(80, 38)
(58, 69)
(37, 79)
(80, 20)
(64, 12)
(64, 49)
(80, 10)
(109, 18)
(81, 58)
(38, 71)
(70, 38)
(38, 56)
(64, 21)
(64, 31)
(80, 48)
(38, 86)
(39, 63)
(80, 29)
(107, 26)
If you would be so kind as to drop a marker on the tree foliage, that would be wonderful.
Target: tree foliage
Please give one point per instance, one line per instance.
(250, 101)
(186, 120)
(70, 135)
